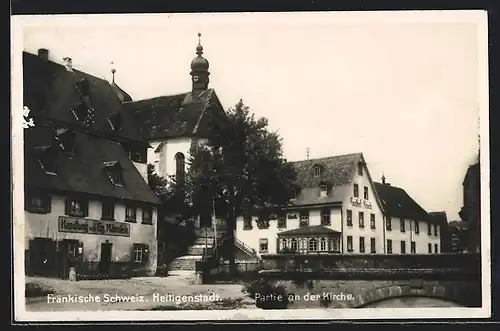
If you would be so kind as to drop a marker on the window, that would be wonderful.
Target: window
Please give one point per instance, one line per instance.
(373, 248)
(38, 204)
(361, 244)
(313, 245)
(349, 243)
(429, 230)
(372, 221)
(317, 171)
(140, 253)
(435, 229)
(263, 245)
(115, 121)
(47, 161)
(417, 227)
(322, 244)
(388, 223)
(293, 194)
(413, 247)
(247, 221)
(365, 193)
(436, 250)
(349, 217)
(83, 87)
(389, 246)
(356, 192)
(403, 247)
(323, 191)
(325, 217)
(147, 215)
(429, 248)
(180, 167)
(402, 224)
(282, 220)
(114, 171)
(80, 112)
(304, 218)
(66, 140)
(293, 245)
(130, 213)
(108, 211)
(360, 169)
(138, 154)
(76, 207)
(361, 219)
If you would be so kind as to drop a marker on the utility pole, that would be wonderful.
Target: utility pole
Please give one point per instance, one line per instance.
(307, 153)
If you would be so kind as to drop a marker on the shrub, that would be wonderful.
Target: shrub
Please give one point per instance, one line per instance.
(32, 290)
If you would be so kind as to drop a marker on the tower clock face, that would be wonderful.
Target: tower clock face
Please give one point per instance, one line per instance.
(195, 78)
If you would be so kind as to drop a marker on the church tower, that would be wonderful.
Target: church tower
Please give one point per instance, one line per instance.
(199, 69)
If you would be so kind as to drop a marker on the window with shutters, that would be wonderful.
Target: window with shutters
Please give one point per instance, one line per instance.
(38, 203)
(76, 207)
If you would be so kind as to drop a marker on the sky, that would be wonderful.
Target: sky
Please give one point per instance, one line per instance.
(402, 89)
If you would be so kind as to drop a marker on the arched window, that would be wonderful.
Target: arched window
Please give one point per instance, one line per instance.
(180, 167)
(322, 244)
(294, 246)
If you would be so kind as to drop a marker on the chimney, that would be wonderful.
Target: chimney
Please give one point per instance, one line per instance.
(43, 54)
(68, 63)
(383, 179)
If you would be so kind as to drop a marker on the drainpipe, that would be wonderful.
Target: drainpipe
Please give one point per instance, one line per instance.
(341, 230)
(411, 238)
(384, 228)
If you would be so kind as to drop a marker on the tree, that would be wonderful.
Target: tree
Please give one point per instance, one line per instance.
(158, 185)
(241, 168)
(459, 235)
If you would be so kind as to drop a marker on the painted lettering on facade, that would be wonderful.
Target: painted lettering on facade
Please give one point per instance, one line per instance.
(86, 226)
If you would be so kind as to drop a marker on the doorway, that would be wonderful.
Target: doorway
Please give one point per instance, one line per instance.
(105, 262)
(68, 256)
(42, 257)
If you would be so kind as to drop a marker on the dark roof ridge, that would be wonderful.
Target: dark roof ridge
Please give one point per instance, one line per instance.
(326, 157)
(209, 90)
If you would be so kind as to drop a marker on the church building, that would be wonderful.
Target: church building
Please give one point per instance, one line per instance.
(171, 124)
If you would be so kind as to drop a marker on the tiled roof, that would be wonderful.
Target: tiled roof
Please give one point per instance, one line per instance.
(439, 217)
(336, 173)
(49, 91)
(83, 171)
(177, 115)
(396, 202)
(309, 230)
(122, 95)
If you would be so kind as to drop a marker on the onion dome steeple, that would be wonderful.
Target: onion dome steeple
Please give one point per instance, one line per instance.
(199, 69)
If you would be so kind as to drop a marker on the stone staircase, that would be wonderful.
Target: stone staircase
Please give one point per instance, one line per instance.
(196, 251)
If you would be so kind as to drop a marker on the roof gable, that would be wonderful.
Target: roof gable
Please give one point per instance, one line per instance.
(396, 202)
(179, 115)
(51, 92)
(309, 230)
(336, 172)
(83, 171)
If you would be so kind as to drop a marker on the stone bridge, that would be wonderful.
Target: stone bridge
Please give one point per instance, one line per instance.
(441, 280)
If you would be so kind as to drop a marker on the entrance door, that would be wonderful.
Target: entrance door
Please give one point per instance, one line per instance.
(105, 262)
(68, 256)
(42, 257)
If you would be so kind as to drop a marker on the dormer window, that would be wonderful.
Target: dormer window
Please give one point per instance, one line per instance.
(115, 121)
(66, 140)
(323, 190)
(114, 172)
(317, 170)
(47, 159)
(80, 112)
(83, 87)
(138, 154)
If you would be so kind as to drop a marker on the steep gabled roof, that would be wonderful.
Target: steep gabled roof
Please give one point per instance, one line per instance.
(396, 202)
(336, 172)
(83, 172)
(439, 217)
(309, 230)
(181, 115)
(50, 93)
